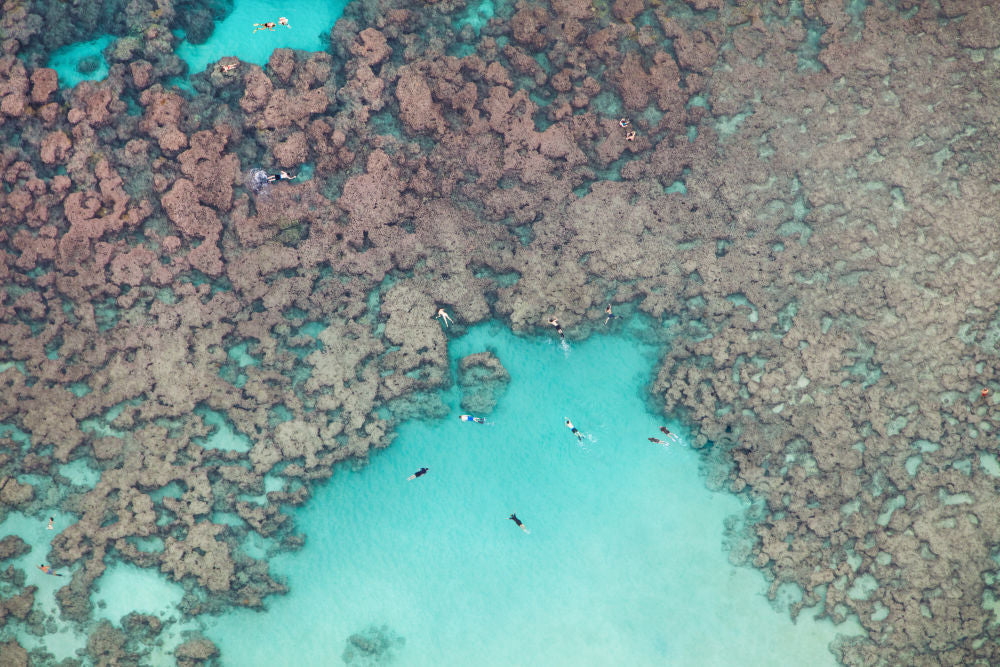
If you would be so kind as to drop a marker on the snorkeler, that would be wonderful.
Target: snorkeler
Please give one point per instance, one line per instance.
(666, 432)
(444, 317)
(282, 176)
(513, 517)
(419, 473)
(657, 441)
(470, 418)
(574, 431)
(48, 570)
(555, 322)
(263, 26)
(611, 316)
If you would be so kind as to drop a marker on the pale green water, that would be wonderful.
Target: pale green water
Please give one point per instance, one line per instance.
(624, 564)
(308, 29)
(66, 59)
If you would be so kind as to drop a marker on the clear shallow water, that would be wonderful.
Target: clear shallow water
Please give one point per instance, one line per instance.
(64, 642)
(624, 563)
(309, 25)
(65, 60)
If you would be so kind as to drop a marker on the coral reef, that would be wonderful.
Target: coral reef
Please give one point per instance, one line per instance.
(809, 199)
(483, 380)
(373, 646)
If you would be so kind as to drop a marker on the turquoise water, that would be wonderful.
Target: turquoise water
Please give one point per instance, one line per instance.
(65, 60)
(309, 25)
(62, 640)
(624, 564)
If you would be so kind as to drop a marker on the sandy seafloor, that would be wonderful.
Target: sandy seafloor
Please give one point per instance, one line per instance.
(216, 387)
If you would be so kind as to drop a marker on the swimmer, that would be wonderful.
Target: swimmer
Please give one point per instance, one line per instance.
(666, 432)
(444, 317)
(611, 316)
(573, 430)
(513, 517)
(985, 392)
(555, 322)
(419, 473)
(263, 26)
(51, 519)
(470, 418)
(657, 441)
(624, 122)
(48, 570)
(630, 136)
(283, 21)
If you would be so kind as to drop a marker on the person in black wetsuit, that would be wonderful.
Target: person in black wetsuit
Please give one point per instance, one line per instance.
(513, 517)
(666, 432)
(422, 471)
(657, 441)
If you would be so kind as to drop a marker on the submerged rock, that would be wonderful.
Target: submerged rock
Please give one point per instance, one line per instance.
(88, 65)
(12, 546)
(483, 380)
(13, 654)
(195, 651)
(374, 646)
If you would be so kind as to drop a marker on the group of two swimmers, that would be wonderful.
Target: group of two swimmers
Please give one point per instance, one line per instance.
(554, 321)
(465, 418)
(270, 25)
(475, 420)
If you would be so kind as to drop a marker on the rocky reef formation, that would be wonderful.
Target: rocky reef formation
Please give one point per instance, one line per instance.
(809, 197)
(374, 646)
(483, 380)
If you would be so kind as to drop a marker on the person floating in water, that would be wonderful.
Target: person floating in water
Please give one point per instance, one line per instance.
(419, 473)
(610, 315)
(666, 432)
(263, 26)
(574, 431)
(985, 392)
(657, 441)
(50, 526)
(282, 176)
(630, 136)
(444, 317)
(513, 517)
(283, 21)
(48, 570)
(623, 122)
(555, 322)
(470, 418)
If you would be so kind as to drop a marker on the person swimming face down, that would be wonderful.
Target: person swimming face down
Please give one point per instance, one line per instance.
(518, 523)
(555, 322)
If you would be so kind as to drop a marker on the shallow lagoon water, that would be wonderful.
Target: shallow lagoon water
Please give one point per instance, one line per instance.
(308, 29)
(624, 563)
(309, 25)
(66, 59)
